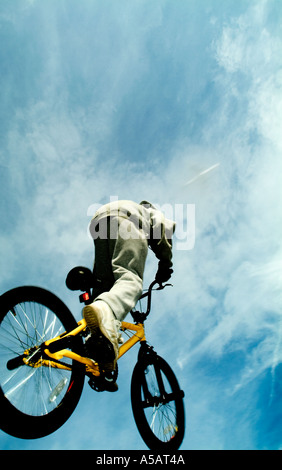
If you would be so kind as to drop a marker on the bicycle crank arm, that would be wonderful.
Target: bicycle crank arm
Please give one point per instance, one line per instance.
(16, 362)
(34, 356)
(29, 357)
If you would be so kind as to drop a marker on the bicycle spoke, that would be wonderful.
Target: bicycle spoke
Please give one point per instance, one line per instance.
(162, 415)
(27, 325)
(8, 393)
(13, 323)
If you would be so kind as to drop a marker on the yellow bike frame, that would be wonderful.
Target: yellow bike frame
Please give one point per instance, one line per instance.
(91, 366)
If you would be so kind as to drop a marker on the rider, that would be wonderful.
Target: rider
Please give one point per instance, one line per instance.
(122, 232)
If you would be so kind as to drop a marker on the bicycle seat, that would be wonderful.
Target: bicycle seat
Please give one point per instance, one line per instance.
(80, 278)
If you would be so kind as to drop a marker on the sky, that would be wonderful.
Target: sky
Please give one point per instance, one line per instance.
(180, 104)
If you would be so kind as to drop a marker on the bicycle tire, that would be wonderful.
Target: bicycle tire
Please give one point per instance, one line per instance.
(28, 316)
(159, 414)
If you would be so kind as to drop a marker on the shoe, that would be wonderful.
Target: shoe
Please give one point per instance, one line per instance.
(104, 327)
(98, 348)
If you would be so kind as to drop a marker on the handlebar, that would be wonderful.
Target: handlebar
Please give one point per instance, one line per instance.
(140, 317)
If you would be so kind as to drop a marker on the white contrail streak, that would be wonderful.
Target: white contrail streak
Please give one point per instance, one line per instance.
(202, 173)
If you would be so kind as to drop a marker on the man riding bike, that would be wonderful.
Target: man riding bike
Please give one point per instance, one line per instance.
(122, 232)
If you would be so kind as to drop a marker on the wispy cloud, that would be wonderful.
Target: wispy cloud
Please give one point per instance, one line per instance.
(174, 104)
(239, 245)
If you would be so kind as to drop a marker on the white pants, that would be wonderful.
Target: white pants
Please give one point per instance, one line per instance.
(119, 264)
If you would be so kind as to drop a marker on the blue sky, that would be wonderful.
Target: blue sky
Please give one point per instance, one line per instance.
(136, 99)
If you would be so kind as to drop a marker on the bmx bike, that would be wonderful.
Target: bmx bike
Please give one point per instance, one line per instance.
(43, 365)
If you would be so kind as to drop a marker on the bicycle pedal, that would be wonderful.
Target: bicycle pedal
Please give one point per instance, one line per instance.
(96, 385)
(102, 384)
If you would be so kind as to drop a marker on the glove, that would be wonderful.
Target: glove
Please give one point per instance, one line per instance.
(164, 273)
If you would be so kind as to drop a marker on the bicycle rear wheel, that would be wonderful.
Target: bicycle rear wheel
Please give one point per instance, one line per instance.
(35, 399)
(157, 404)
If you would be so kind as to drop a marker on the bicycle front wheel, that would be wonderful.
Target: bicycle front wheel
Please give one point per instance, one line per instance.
(157, 404)
(35, 398)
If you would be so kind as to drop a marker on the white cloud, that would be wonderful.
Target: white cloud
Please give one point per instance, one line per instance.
(62, 155)
(246, 44)
(238, 249)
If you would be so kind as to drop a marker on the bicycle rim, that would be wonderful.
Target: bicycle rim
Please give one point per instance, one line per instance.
(39, 392)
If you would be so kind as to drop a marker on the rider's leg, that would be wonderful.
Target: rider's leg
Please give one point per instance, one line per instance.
(119, 262)
(127, 257)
